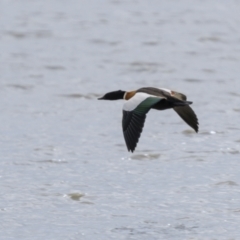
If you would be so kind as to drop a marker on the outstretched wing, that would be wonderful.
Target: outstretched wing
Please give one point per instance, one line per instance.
(188, 115)
(134, 115)
(132, 124)
(186, 112)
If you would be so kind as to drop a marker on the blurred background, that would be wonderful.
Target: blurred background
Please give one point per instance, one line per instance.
(65, 172)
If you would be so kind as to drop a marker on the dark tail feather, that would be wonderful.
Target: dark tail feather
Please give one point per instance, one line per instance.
(175, 102)
(181, 103)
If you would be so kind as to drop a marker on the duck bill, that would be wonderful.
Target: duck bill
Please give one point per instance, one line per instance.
(101, 98)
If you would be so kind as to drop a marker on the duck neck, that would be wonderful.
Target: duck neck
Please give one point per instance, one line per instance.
(128, 95)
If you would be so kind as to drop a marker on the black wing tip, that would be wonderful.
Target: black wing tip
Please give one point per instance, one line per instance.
(196, 127)
(129, 145)
(131, 150)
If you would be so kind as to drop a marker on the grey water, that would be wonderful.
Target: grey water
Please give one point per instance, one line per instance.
(65, 172)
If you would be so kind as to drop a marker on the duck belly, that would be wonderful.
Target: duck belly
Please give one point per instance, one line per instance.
(163, 105)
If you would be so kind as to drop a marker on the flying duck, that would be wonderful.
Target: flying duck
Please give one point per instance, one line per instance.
(138, 104)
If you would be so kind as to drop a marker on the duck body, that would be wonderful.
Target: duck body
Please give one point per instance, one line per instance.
(140, 102)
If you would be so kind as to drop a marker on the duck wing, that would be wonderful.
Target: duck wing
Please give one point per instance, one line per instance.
(188, 115)
(134, 115)
(186, 112)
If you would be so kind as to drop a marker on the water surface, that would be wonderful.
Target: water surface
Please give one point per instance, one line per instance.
(65, 171)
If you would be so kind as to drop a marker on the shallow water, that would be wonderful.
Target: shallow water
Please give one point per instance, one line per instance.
(65, 171)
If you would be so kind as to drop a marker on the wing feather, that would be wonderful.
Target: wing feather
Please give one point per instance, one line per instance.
(134, 115)
(179, 96)
(188, 115)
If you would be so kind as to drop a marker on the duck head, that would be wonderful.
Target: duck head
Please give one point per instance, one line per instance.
(115, 95)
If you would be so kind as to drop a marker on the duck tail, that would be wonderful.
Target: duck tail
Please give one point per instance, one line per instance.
(175, 102)
(181, 103)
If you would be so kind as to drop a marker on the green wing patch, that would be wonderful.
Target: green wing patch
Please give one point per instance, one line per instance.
(146, 105)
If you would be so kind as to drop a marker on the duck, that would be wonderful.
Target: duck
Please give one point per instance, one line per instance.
(140, 102)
